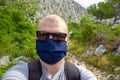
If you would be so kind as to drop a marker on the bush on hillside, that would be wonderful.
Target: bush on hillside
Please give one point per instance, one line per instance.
(15, 33)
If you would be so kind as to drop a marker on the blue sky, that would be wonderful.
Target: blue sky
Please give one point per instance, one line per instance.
(86, 3)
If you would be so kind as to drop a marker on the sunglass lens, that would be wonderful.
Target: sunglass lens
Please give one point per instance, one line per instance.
(41, 35)
(59, 36)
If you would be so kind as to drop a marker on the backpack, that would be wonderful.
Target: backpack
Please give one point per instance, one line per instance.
(35, 70)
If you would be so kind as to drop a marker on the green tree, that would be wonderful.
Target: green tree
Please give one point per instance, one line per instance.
(107, 9)
(103, 10)
(116, 5)
(92, 9)
(96, 11)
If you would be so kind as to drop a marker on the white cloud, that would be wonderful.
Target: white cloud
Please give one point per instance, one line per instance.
(86, 3)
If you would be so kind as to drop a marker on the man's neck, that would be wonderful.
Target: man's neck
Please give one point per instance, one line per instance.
(52, 69)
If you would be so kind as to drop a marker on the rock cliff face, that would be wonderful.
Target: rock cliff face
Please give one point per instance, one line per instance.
(68, 9)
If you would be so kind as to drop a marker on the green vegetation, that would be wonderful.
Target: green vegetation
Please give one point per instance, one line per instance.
(88, 35)
(3, 69)
(105, 10)
(17, 35)
(105, 62)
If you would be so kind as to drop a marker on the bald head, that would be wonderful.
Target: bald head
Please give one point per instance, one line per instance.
(53, 23)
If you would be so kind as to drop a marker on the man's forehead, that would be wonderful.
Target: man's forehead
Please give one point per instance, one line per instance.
(49, 22)
(55, 21)
(50, 18)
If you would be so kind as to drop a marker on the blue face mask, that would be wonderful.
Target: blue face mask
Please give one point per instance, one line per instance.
(51, 51)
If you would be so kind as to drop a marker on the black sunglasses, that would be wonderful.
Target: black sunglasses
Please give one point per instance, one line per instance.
(57, 36)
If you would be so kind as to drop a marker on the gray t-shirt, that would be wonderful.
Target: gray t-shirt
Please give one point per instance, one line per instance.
(20, 72)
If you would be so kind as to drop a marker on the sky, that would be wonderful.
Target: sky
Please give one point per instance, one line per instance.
(86, 3)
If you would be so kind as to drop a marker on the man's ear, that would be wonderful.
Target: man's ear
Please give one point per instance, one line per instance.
(67, 39)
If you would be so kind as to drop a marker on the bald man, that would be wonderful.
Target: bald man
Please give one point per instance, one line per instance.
(51, 47)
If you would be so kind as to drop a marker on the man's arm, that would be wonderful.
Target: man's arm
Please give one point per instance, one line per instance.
(10, 79)
(17, 72)
(86, 74)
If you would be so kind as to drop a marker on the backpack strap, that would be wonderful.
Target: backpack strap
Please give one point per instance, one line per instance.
(35, 70)
(71, 71)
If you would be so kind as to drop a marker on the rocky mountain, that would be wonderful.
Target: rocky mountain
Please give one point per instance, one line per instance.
(68, 9)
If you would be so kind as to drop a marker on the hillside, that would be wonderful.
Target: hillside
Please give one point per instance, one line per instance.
(68, 9)
(97, 43)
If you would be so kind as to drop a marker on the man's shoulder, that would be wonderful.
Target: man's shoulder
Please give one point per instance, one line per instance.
(21, 66)
(17, 71)
(85, 73)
